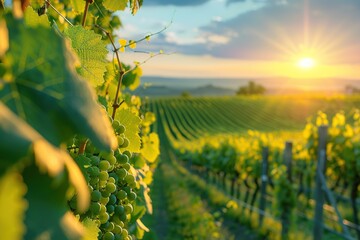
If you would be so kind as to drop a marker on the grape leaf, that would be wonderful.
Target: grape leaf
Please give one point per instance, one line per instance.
(149, 119)
(114, 5)
(144, 198)
(131, 123)
(91, 229)
(12, 206)
(33, 19)
(4, 38)
(15, 137)
(132, 78)
(78, 5)
(41, 87)
(50, 198)
(139, 212)
(111, 77)
(150, 147)
(83, 162)
(91, 51)
(18, 139)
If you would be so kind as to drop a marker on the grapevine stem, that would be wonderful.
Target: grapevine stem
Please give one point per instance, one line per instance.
(85, 13)
(48, 2)
(116, 104)
(82, 146)
(148, 36)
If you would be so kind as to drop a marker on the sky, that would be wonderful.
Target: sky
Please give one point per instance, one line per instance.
(247, 38)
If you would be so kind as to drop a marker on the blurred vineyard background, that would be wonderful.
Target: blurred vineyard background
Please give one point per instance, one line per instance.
(252, 162)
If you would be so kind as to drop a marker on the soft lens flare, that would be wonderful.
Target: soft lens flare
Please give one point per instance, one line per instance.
(306, 63)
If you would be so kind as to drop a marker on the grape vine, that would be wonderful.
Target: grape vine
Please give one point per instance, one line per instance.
(87, 168)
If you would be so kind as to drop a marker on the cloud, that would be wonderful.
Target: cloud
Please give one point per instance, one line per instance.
(175, 2)
(327, 29)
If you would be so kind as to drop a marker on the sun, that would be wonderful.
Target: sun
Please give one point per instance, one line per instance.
(306, 63)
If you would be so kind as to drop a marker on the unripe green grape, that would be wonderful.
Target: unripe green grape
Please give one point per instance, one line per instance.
(110, 209)
(95, 160)
(95, 196)
(104, 200)
(115, 124)
(119, 210)
(121, 195)
(102, 184)
(108, 236)
(127, 153)
(108, 226)
(127, 166)
(105, 225)
(117, 152)
(131, 196)
(104, 217)
(127, 189)
(133, 185)
(117, 229)
(102, 208)
(105, 193)
(118, 237)
(95, 208)
(105, 154)
(128, 208)
(125, 143)
(121, 224)
(103, 176)
(120, 140)
(122, 217)
(129, 237)
(129, 179)
(100, 234)
(124, 233)
(116, 219)
(111, 179)
(114, 176)
(93, 171)
(111, 159)
(94, 181)
(104, 165)
(123, 159)
(121, 173)
(121, 129)
(112, 199)
(110, 187)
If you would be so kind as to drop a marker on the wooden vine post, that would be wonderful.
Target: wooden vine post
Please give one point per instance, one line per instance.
(264, 181)
(319, 194)
(286, 214)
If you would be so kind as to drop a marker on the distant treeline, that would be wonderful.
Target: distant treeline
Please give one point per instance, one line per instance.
(252, 88)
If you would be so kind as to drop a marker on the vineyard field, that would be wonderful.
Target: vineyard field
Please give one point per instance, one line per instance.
(219, 143)
(194, 117)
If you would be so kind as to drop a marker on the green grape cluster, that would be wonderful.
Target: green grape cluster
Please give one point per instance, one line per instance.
(112, 187)
(119, 131)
